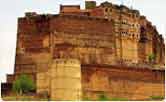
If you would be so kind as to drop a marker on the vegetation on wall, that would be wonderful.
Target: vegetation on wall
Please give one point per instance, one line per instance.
(151, 58)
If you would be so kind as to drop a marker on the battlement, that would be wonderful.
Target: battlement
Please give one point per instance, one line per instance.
(142, 17)
(49, 16)
(30, 14)
(36, 15)
(83, 17)
(69, 8)
(120, 8)
(68, 62)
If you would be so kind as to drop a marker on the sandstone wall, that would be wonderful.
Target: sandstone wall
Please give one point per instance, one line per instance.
(91, 40)
(114, 82)
(33, 34)
(83, 38)
(61, 80)
(43, 79)
(97, 12)
(126, 29)
(65, 80)
(81, 24)
(129, 50)
(33, 50)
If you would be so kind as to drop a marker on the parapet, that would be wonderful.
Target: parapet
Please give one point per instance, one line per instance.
(30, 14)
(136, 12)
(71, 62)
(69, 8)
(83, 17)
(106, 4)
(124, 8)
(142, 17)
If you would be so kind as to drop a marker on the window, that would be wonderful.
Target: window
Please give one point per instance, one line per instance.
(133, 35)
(133, 25)
(106, 9)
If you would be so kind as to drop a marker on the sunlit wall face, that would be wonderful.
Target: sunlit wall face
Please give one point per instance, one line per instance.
(12, 9)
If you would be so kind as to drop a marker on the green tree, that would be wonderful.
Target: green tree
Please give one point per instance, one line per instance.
(23, 84)
(151, 58)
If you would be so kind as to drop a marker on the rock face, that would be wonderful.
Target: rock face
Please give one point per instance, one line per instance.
(81, 54)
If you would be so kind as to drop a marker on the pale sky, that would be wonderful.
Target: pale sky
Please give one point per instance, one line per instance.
(12, 9)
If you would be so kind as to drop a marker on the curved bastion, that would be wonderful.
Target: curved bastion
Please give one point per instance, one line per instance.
(62, 81)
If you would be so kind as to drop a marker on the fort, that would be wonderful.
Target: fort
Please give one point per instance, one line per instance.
(81, 53)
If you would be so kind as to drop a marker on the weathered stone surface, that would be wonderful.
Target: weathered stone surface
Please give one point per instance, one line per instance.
(133, 84)
(65, 80)
(112, 44)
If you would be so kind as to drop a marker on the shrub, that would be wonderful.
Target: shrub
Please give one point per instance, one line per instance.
(157, 97)
(23, 84)
(151, 58)
(102, 97)
(86, 99)
(119, 99)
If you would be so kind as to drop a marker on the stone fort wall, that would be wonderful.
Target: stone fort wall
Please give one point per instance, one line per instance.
(44, 39)
(62, 80)
(122, 82)
(84, 39)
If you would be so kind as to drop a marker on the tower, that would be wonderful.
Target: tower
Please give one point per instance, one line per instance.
(65, 79)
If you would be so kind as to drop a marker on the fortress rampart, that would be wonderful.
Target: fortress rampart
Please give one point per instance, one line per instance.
(79, 54)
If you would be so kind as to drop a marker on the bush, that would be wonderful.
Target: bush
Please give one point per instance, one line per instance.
(119, 99)
(23, 84)
(86, 99)
(157, 97)
(151, 58)
(102, 97)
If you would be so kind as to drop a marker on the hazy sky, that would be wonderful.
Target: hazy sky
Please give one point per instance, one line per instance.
(12, 9)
